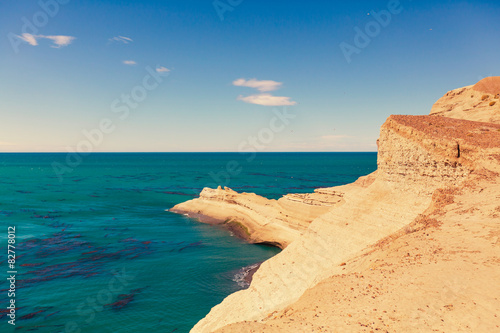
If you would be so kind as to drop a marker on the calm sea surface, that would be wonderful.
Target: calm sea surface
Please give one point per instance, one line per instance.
(97, 252)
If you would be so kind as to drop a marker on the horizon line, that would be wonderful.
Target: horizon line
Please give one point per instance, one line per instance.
(181, 152)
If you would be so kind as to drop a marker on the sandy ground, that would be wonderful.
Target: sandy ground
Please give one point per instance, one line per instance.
(441, 278)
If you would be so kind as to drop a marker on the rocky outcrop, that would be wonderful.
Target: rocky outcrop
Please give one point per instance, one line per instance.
(479, 102)
(260, 220)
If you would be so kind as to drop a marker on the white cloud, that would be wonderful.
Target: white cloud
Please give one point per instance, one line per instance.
(58, 40)
(129, 62)
(162, 69)
(29, 38)
(263, 98)
(262, 86)
(267, 100)
(121, 39)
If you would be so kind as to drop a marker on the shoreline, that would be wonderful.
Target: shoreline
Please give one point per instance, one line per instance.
(236, 228)
(245, 274)
(237, 231)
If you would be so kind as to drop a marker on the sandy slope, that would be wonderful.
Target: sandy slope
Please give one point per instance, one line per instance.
(442, 278)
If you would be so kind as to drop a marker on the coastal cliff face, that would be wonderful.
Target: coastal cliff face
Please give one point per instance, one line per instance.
(430, 152)
(424, 162)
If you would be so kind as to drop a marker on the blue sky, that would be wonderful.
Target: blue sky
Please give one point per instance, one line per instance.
(220, 85)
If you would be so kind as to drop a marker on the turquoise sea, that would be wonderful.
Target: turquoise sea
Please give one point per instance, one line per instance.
(97, 252)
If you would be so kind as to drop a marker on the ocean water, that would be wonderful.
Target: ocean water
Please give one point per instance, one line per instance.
(97, 252)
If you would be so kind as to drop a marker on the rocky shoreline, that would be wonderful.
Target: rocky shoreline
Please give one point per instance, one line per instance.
(233, 226)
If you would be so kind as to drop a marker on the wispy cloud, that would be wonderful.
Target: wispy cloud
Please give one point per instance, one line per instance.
(121, 39)
(267, 100)
(262, 86)
(29, 38)
(58, 40)
(263, 98)
(162, 69)
(129, 62)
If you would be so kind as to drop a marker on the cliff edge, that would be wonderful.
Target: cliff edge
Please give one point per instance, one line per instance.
(336, 235)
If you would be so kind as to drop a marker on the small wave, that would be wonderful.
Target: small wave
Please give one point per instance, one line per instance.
(241, 278)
